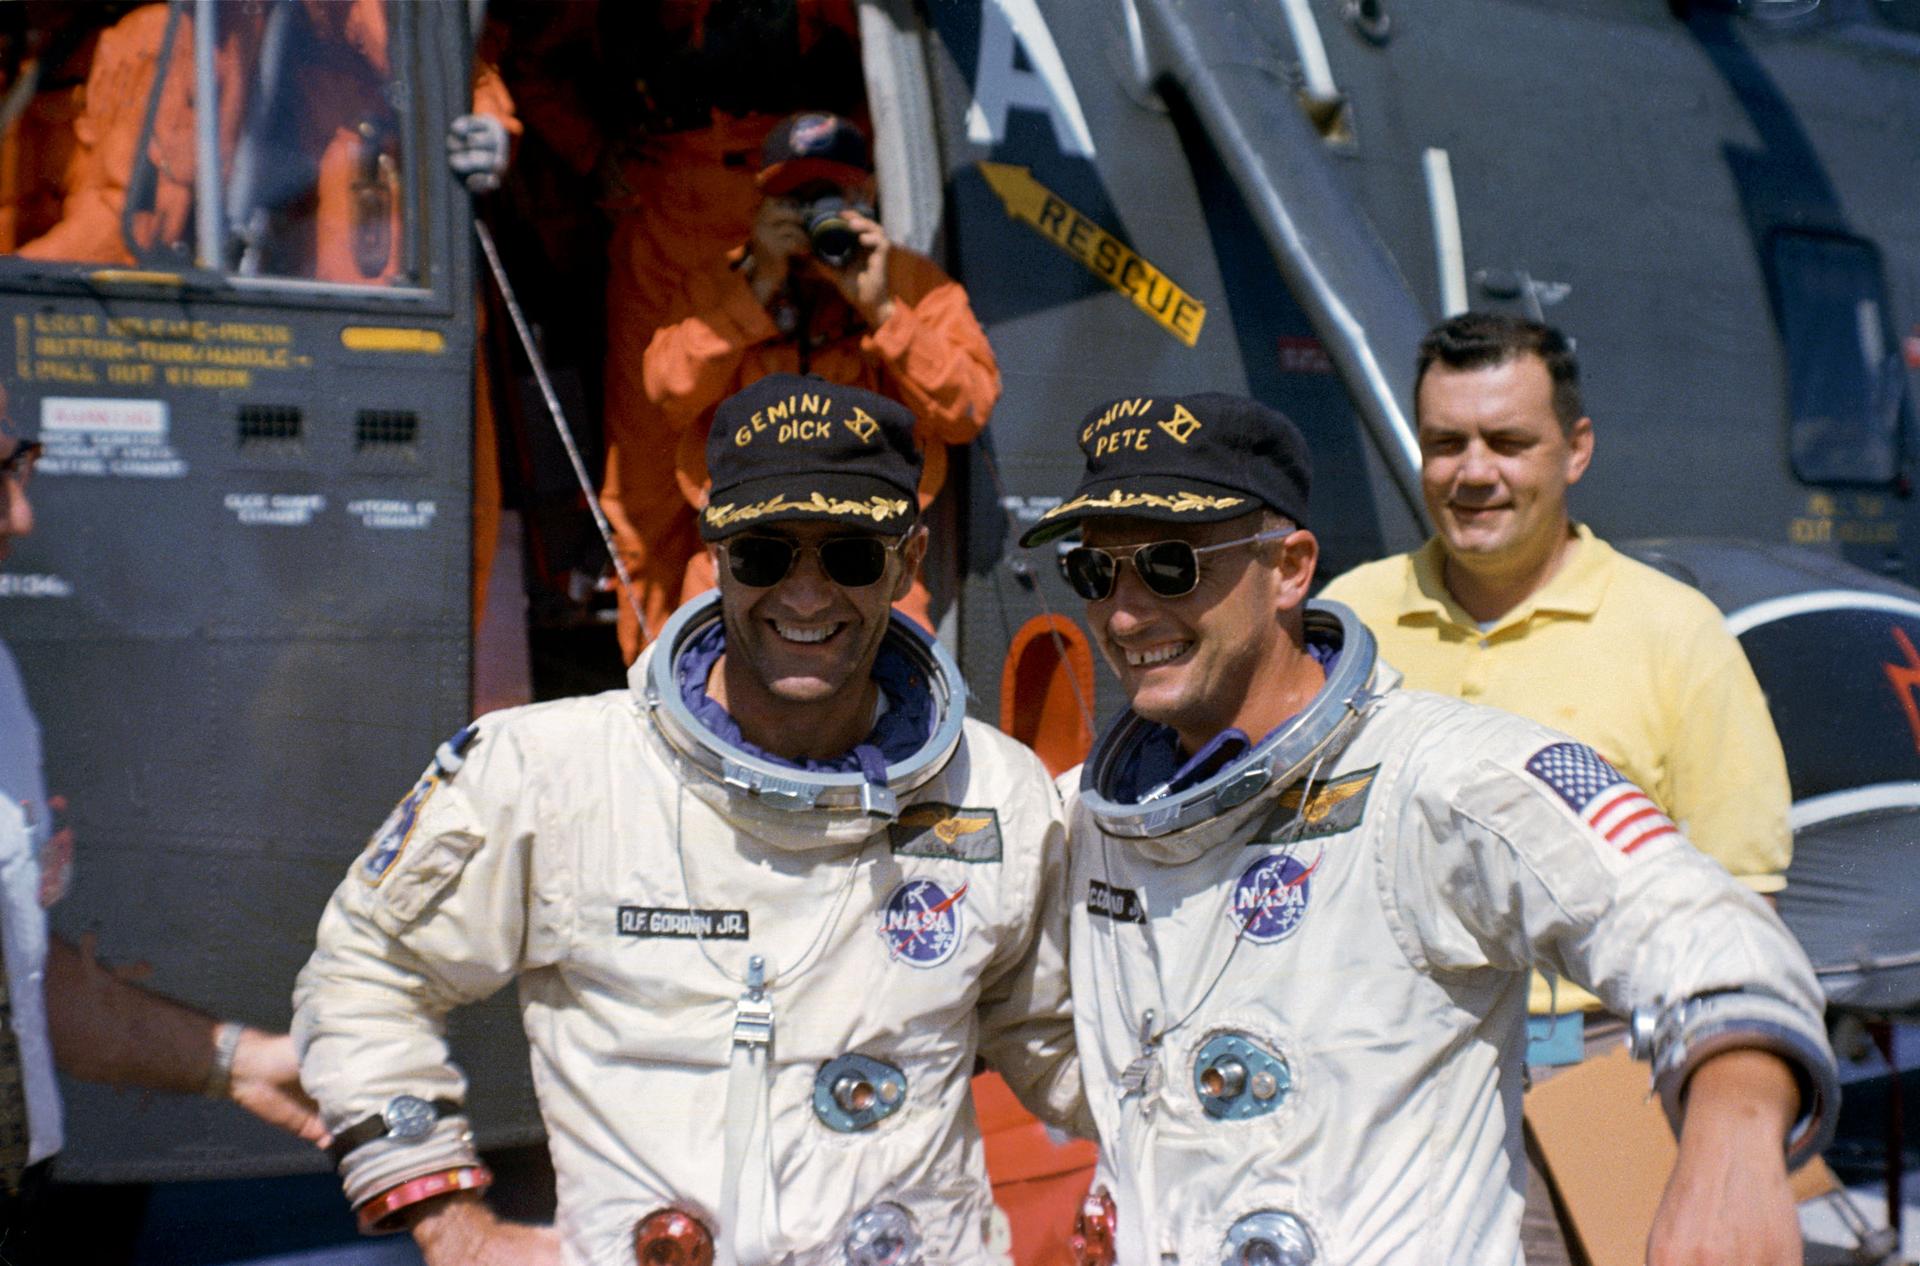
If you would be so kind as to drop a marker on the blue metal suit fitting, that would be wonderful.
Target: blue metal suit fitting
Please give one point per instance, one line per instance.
(854, 1092)
(882, 1235)
(1237, 1079)
(1269, 1238)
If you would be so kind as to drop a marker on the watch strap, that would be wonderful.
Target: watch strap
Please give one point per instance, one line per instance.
(367, 1130)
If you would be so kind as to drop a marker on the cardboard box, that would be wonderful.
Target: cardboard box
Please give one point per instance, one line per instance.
(1606, 1143)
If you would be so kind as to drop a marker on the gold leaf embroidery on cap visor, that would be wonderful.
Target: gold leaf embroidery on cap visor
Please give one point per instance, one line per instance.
(1178, 503)
(879, 509)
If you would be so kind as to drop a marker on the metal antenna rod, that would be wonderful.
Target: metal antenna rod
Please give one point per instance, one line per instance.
(499, 271)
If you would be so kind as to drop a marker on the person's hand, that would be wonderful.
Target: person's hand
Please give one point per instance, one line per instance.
(779, 234)
(477, 151)
(862, 280)
(266, 1082)
(461, 1230)
(1727, 1202)
(56, 859)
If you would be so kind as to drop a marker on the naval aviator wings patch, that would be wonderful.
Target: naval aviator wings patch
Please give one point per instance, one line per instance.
(947, 833)
(1327, 808)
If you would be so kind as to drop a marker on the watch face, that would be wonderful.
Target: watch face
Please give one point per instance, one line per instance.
(409, 1117)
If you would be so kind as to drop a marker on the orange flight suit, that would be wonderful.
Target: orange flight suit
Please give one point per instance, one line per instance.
(107, 132)
(38, 157)
(678, 197)
(931, 355)
(694, 199)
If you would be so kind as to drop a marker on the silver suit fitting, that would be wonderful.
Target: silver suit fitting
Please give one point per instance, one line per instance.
(1319, 731)
(1680, 1036)
(782, 787)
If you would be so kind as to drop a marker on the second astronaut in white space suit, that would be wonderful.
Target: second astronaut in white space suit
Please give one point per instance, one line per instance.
(1305, 905)
(764, 909)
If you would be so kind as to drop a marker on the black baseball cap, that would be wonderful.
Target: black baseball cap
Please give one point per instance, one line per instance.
(802, 448)
(1184, 459)
(805, 148)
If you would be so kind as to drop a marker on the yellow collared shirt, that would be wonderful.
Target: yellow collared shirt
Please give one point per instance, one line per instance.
(1629, 661)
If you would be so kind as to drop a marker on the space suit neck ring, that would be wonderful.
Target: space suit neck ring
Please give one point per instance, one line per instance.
(784, 787)
(1315, 733)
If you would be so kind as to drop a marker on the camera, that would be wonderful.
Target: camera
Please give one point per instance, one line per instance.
(835, 241)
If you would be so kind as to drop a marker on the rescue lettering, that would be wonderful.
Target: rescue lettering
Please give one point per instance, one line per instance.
(664, 921)
(1097, 250)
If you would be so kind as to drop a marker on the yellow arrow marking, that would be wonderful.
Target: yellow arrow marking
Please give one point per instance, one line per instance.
(1100, 252)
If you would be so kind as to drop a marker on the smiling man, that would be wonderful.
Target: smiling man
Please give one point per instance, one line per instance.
(1514, 605)
(1306, 903)
(765, 908)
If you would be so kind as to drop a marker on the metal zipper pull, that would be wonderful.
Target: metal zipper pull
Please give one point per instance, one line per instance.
(753, 1014)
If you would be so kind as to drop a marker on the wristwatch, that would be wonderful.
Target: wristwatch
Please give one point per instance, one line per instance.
(406, 1119)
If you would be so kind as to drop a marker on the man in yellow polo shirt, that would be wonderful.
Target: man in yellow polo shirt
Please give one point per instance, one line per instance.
(1513, 604)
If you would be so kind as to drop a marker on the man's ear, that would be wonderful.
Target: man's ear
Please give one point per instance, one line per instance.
(1580, 449)
(911, 553)
(1294, 558)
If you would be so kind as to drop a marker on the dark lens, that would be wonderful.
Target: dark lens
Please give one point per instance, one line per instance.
(834, 240)
(1089, 572)
(1169, 568)
(853, 562)
(759, 561)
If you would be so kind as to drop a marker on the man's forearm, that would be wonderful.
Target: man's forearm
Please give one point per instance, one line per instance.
(106, 1029)
(1727, 1202)
(1745, 1093)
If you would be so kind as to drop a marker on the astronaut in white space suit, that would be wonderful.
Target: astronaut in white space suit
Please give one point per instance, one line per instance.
(764, 909)
(1305, 903)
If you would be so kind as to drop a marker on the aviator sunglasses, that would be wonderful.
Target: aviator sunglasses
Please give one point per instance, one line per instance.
(852, 562)
(19, 464)
(1170, 569)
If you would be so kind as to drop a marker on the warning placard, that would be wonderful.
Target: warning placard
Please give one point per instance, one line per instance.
(92, 436)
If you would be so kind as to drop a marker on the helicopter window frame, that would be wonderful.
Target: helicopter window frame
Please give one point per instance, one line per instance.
(427, 280)
(1846, 386)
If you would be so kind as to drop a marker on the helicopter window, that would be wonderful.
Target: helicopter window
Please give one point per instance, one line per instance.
(114, 116)
(1845, 382)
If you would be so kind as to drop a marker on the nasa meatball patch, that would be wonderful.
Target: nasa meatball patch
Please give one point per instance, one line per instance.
(946, 832)
(921, 923)
(1602, 797)
(1270, 898)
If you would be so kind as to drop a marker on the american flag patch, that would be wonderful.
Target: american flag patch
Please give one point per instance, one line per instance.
(1625, 816)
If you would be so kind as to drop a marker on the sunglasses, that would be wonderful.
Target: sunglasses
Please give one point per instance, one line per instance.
(1170, 569)
(852, 562)
(18, 465)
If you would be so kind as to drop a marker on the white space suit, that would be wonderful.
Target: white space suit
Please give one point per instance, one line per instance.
(1338, 978)
(628, 889)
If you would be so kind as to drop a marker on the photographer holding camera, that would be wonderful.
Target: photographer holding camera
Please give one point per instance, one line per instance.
(819, 289)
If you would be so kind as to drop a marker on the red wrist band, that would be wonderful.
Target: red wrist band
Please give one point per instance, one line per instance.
(376, 1214)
